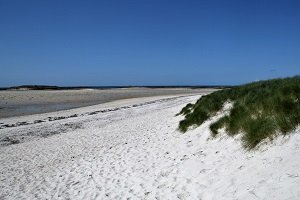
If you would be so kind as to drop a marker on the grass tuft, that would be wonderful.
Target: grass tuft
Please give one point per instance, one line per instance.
(260, 110)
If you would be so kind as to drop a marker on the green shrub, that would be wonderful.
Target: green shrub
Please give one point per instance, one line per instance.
(260, 110)
(214, 127)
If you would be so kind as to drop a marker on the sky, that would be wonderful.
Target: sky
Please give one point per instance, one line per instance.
(147, 42)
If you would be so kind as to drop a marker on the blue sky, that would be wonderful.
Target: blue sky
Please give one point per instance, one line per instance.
(143, 42)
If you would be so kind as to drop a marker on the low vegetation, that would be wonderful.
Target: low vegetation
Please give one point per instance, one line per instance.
(35, 87)
(260, 110)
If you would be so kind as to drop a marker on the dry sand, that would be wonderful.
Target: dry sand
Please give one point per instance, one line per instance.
(130, 149)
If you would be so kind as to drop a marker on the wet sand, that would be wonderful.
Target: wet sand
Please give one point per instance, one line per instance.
(19, 103)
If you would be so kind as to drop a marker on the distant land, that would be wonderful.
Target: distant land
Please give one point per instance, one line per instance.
(51, 87)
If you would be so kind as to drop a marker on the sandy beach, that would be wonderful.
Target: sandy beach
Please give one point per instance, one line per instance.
(19, 102)
(149, 100)
(131, 149)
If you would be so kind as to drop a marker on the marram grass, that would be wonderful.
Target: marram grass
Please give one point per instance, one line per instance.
(260, 110)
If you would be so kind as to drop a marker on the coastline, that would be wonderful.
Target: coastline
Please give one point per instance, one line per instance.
(19, 103)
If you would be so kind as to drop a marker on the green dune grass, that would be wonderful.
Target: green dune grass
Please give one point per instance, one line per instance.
(260, 110)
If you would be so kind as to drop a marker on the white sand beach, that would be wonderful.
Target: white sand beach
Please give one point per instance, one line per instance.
(131, 149)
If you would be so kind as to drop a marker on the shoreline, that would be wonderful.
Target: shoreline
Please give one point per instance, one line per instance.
(86, 111)
(22, 103)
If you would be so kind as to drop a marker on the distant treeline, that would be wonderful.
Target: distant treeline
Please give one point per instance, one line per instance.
(49, 87)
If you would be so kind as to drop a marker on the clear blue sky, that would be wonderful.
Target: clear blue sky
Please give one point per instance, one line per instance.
(147, 42)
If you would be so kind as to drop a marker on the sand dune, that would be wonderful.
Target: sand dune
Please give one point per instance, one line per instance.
(130, 149)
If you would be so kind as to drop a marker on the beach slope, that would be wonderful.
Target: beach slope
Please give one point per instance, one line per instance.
(131, 149)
